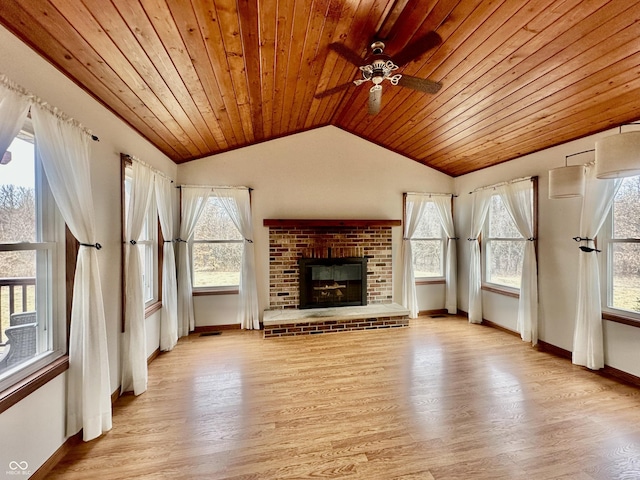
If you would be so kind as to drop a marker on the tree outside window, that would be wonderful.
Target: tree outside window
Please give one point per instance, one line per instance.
(217, 248)
(504, 247)
(623, 248)
(147, 243)
(32, 320)
(427, 245)
(17, 225)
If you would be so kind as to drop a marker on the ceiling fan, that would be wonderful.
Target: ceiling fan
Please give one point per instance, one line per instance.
(379, 66)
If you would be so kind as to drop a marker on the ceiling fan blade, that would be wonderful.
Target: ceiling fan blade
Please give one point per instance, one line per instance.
(417, 48)
(375, 100)
(420, 84)
(347, 53)
(333, 90)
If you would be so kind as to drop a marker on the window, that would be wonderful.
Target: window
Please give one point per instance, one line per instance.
(217, 249)
(147, 243)
(32, 269)
(503, 247)
(621, 242)
(427, 245)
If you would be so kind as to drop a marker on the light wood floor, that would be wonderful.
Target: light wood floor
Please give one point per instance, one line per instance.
(439, 400)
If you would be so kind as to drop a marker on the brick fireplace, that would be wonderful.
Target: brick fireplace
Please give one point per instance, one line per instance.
(338, 245)
(290, 241)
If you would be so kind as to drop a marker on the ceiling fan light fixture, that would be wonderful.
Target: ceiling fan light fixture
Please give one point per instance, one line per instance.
(618, 156)
(395, 79)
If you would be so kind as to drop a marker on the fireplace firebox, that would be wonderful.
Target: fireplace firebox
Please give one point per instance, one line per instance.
(333, 282)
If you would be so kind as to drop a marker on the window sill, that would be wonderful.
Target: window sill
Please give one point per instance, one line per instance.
(151, 309)
(201, 292)
(430, 281)
(501, 291)
(25, 387)
(617, 318)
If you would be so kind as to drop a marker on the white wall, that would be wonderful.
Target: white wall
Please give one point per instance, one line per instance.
(324, 173)
(320, 174)
(34, 427)
(430, 297)
(558, 223)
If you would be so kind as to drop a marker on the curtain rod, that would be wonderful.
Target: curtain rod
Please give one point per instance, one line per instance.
(500, 184)
(432, 194)
(227, 187)
(579, 153)
(154, 170)
(33, 99)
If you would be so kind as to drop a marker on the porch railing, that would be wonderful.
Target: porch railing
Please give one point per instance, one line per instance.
(17, 295)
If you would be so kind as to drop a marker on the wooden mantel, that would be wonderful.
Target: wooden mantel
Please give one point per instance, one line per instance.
(290, 222)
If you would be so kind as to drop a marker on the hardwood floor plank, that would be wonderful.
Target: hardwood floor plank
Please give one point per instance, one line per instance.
(442, 399)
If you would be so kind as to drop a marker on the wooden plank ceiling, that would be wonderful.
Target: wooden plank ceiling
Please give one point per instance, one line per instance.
(198, 77)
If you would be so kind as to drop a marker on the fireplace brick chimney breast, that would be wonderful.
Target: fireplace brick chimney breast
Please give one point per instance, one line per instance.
(288, 244)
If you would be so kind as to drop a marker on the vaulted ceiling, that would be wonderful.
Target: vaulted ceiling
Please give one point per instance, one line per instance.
(199, 77)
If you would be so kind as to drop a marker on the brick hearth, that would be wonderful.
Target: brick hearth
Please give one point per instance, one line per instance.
(288, 322)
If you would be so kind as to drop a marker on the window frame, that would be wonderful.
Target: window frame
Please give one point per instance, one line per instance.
(484, 239)
(606, 243)
(150, 252)
(154, 304)
(53, 303)
(432, 279)
(212, 289)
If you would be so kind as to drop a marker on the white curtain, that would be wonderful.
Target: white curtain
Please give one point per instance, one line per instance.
(14, 106)
(518, 200)
(64, 150)
(237, 203)
(588, 345)
(443, 207)
(134, 358)
(478, 214)
(194, 199)
(413, 212)
(169, 315)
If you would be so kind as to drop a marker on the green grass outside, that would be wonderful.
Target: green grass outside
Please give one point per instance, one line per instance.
(626, 293)
(507, 281)
(423, 274)
(216, 279)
